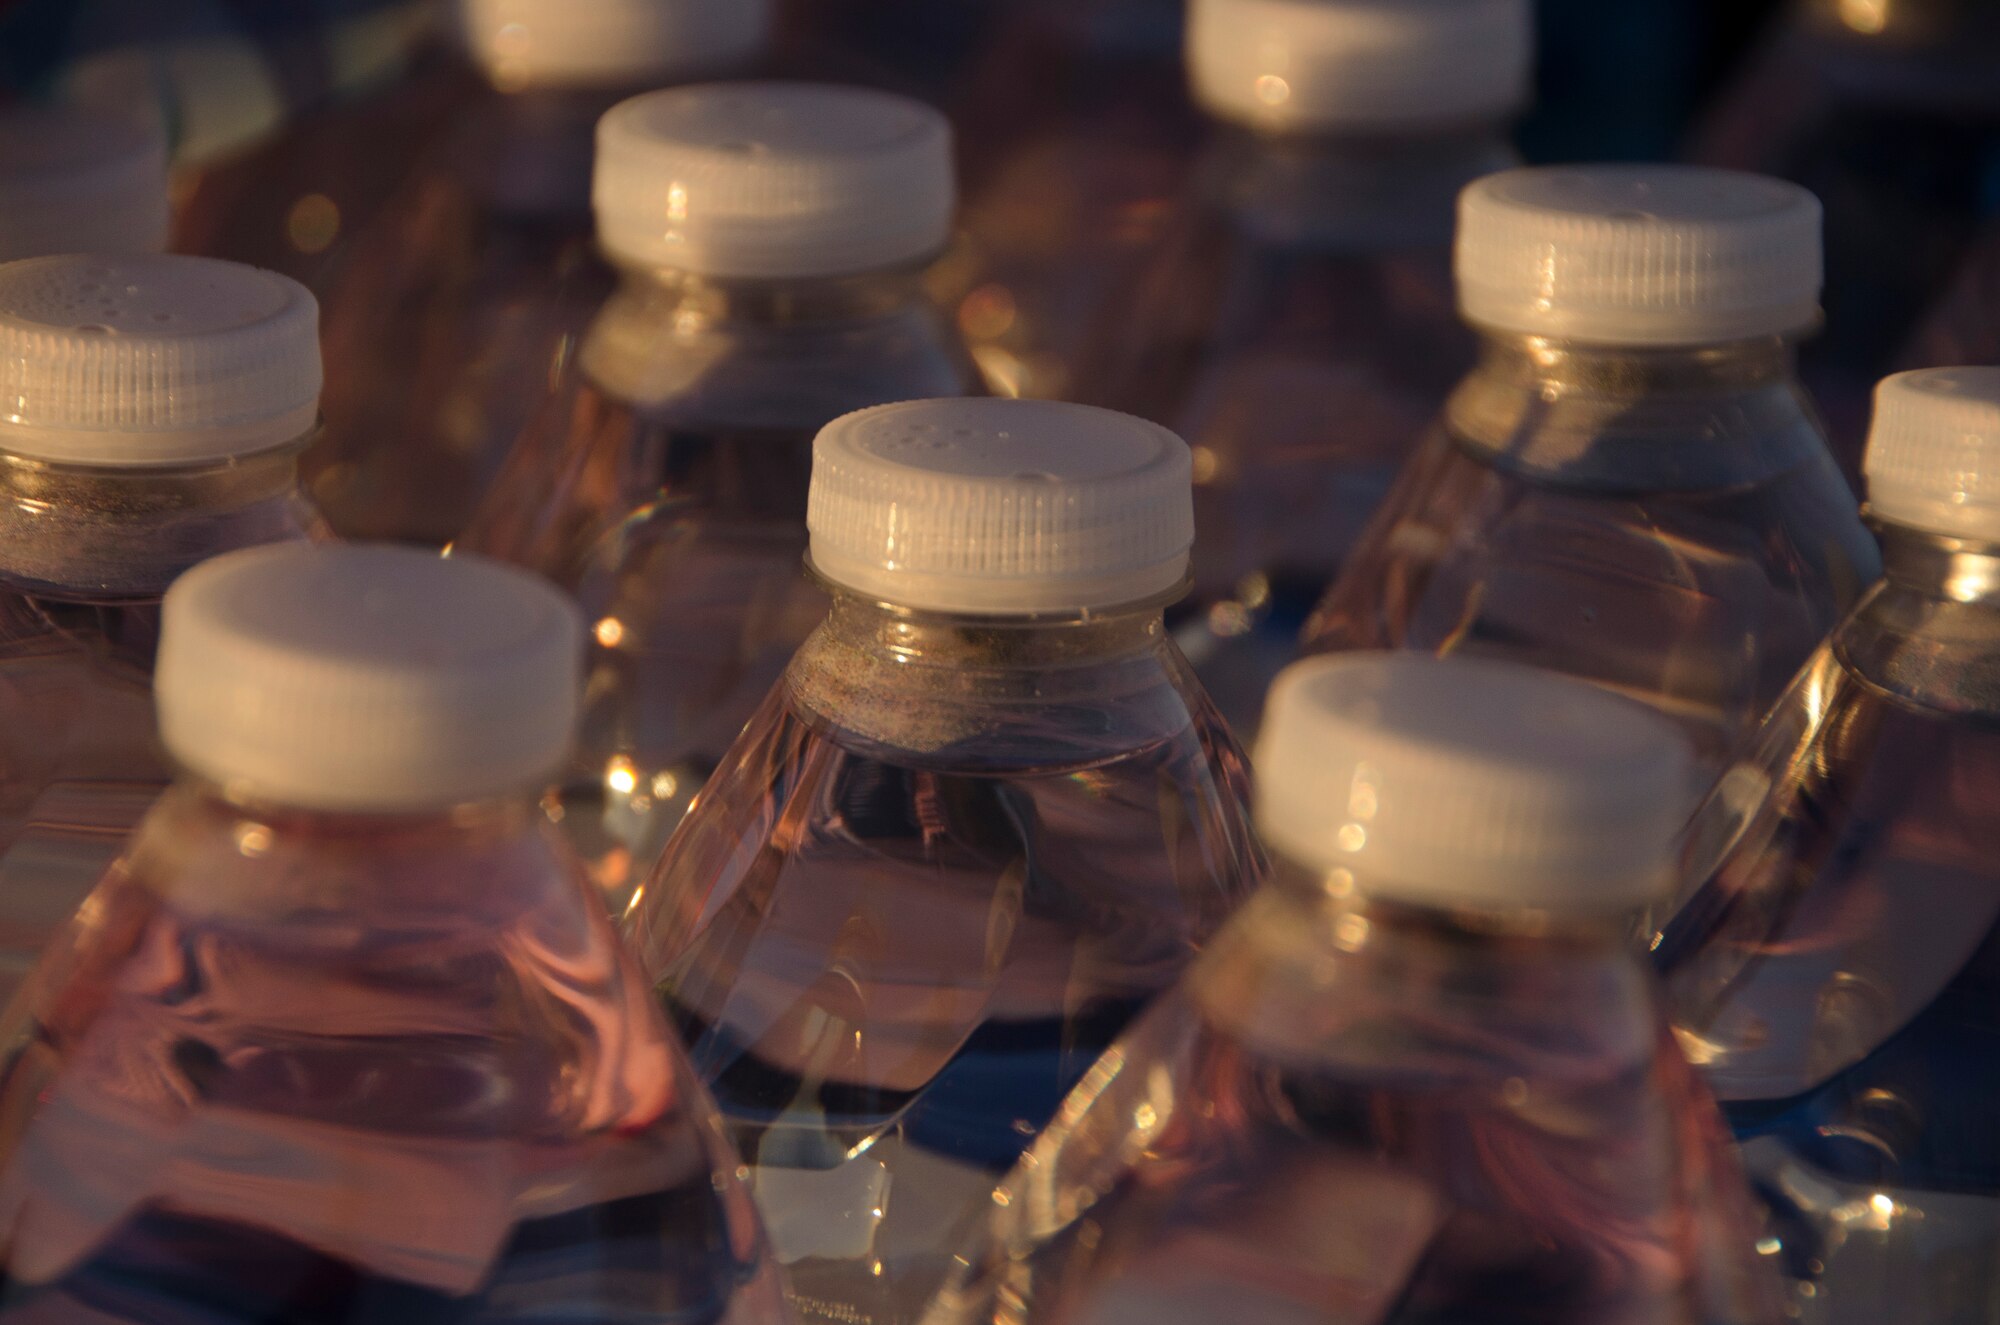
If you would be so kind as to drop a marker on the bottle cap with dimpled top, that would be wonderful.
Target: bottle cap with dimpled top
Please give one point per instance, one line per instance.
(153, 359)
(773, 180)
(1471, 783)
(1001, 507)
(1331, 66)
(1639, 255)
(522, 44)
(1933, 458)
(367, 678)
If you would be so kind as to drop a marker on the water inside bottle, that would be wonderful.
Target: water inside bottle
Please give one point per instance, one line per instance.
(356, 1071)
(1839, 975)
(1354, 1111)
(1684, 538)
(666, 487)
(915, 925)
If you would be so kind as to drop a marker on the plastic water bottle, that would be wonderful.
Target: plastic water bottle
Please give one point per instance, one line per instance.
(1630, 486)
(1297, 323)
(344, 1036)
(1889, 111)
(1076, 132)
(1835, 968)
(75, 180)
(1963, 325)
(1421, 1077)
(459, 309)
(667, 485)
(155, 409)
(292, 133)
(984, 816)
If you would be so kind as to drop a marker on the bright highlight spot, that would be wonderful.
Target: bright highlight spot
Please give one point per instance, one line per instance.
(313, 223)
(620, 776)
(1867, 17)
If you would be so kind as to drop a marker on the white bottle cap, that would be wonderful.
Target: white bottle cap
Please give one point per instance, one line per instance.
(153, 359)
(76, 180)
(367, 678)
(1471, 783)
(1332, 65)
(1639, 255)
(1002, 507)
(609, 43)
(1934, 454)
(773, 180)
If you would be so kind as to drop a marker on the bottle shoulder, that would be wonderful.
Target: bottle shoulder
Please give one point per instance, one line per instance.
(799, 375)
(1926, 650)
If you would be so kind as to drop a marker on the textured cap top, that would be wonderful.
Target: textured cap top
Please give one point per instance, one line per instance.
(145, 359)
(1360, 64)
(365, 678)
(75, 180)
(1001, 507)
(609, 43)
(773, 180)
(1934, 454)
(1474, 783)
(1639, 255)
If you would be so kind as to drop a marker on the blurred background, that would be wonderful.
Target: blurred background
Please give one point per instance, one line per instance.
(1889, 110)
(1618, 80)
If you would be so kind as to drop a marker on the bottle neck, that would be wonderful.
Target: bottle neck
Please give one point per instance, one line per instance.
(1049, 689)
(694, 303)
(1933, 566)
(1929, 632)
(1348, 190)
(124, 534)
(1687, 418)
(770, 354)
(1315, 955)
(222, 854)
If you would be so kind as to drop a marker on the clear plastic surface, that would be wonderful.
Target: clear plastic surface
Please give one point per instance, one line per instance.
(1296, 325)
(296, 202)
(1075, 132)
(666, 486)
(457, 314)
(1835, 964)
(85, 555)
(1888, 113)
(1354, 1111)
(942, 868)
(1668, 524)
(298, 1067)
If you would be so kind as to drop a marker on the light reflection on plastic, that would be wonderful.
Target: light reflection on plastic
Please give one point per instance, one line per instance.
(620, 776)
(1867, 17)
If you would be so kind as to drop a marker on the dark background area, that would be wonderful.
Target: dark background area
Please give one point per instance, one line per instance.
(1620, 79)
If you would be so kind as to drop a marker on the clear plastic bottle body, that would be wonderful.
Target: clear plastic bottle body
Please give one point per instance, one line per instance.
(1360, 1110)
(1963, 326)
(1668, 524)
(457, 315)
(1887, 112)
(296, 202)
(940, 871)
(1297, 325)
(85, 555)
(295, 1066)
(666, 486)
(1076, 133)
(1836, 964)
